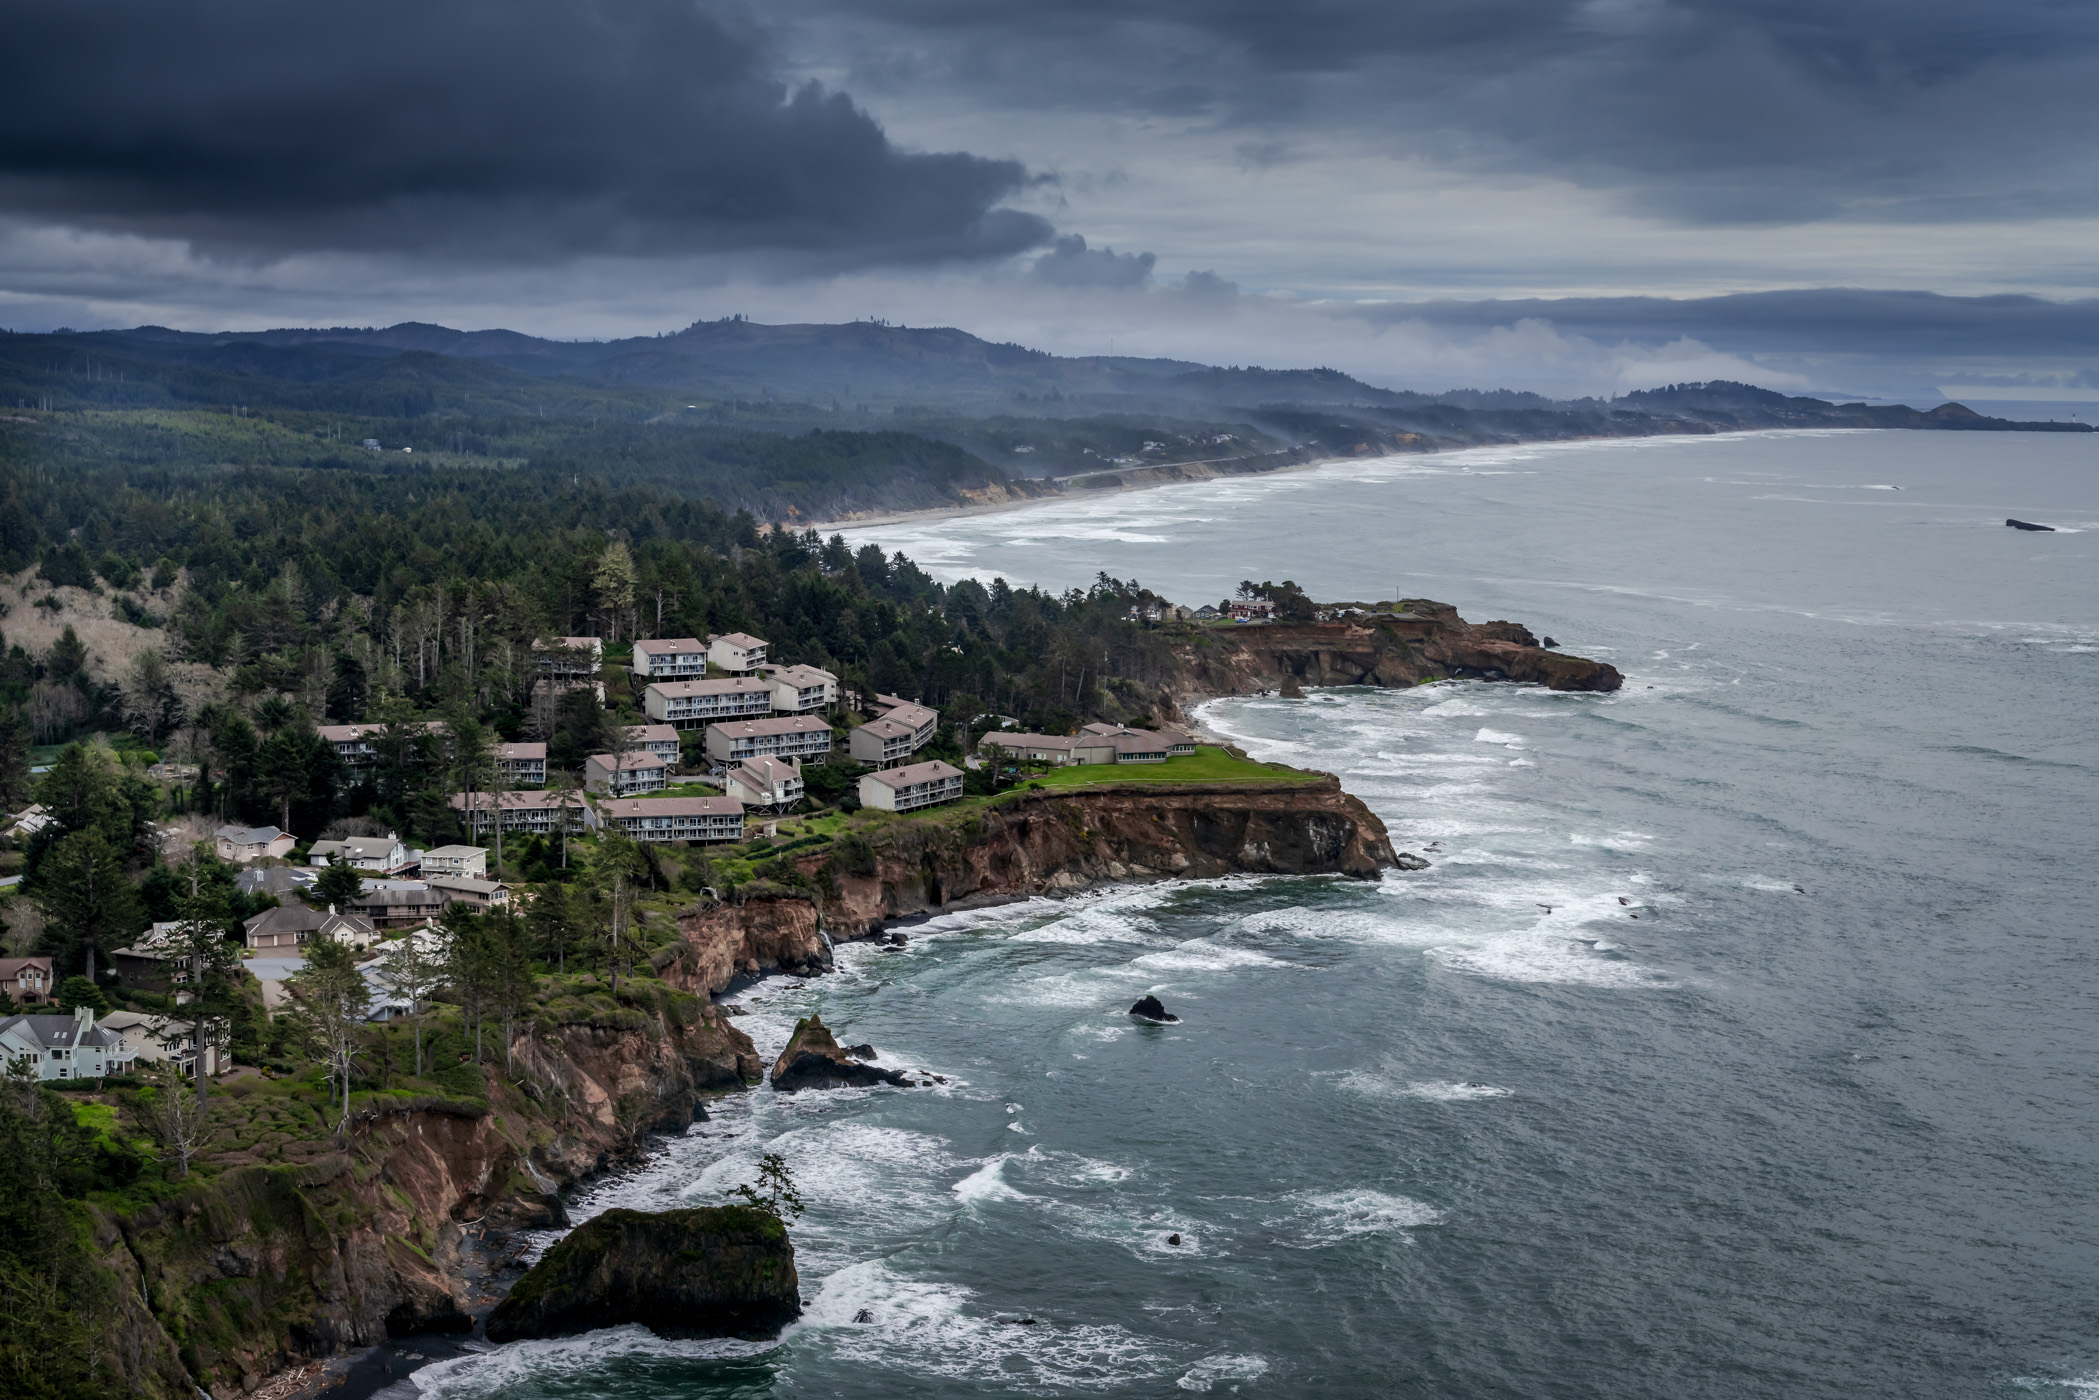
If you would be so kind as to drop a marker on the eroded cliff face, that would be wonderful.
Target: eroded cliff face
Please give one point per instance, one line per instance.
(1039, 842)
(267, 1266)
(1429, 641)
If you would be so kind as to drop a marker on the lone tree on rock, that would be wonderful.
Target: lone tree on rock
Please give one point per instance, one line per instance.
(775, 1191)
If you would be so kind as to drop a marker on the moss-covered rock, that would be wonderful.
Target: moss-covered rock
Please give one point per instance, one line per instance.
(714, 1271)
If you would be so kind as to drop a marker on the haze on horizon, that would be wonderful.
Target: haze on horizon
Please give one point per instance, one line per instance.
(1573, 196)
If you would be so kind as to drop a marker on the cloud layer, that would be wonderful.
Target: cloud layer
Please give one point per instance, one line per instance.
(482, 129)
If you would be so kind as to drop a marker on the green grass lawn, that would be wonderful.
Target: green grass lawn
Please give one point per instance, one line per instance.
(1206, 765)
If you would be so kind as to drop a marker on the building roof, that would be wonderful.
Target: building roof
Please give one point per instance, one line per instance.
(249, 835)
(361, 847)
(465, 884)
(801, 676)
(670, 646)
(912, 774)
(650, 733)
(887, 728)
(766, 772)
(295, 918)
(514, 752)
(916, 716)
(421, 894)
(632, 759)
(622, 808)
(9, 967)
(783, 724)
(726, 685)
(456, 852)
(60, 1032)
(1011, 741)
(743, 640)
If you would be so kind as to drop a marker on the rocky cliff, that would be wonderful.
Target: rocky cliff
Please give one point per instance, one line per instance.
(1032, 842)
(1422, 641)
(268, 1264)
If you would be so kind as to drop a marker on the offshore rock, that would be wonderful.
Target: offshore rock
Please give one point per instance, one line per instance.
(1150, 1008)
(1407, 860)
(2029, 525)
(813, 1060)
(714, 1271)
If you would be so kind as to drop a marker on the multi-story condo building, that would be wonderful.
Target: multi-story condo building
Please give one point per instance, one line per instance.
(882, 741)
(913, 786)
(624, 774)
(799, 690)
(521, 765)
(707, 819)
(658, 739)
(570, 658)
(774, 784)
(736, 651)
(541, 813)
(690, 704)
(671, 659)
(790, 736)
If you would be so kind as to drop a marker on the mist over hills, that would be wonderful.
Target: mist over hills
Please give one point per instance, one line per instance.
(804, 420)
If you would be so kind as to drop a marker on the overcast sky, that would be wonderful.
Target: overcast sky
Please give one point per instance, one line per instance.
(1425, 192)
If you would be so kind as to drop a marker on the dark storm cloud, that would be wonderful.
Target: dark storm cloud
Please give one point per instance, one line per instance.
(1835, 321)
(494, 128)
(1070, 263)
(1744, 110)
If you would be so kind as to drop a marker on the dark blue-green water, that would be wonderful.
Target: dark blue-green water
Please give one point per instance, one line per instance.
(1739, 1042)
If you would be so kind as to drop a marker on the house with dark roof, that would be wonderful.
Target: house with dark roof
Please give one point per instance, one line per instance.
(237, 845)
(292, 926)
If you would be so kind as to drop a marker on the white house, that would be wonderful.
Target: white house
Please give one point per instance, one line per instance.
(690, 704)
(63, 1047)
(673, 818)
(913, 786)
(521, 765)
(774, 784)
(789, 736)
(671, 658)
(624, 774)
(238, 845)
(801, 690)
(375, 855)
(147, 1039)
(456, 860)
(658, 739)
(736, 651)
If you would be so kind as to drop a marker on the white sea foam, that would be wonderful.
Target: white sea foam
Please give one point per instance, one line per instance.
(1496, 736)
(1319, 1219)
(1213, 1371)
(923, 1328)
(529, 1365)
(1203, 955)
(987, 1183)
(1378, 1086)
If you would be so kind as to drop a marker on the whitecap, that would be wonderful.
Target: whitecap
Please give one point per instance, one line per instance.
(1327, 1218)
(1377, 1086)
(987, 1183)
(1212, 1370)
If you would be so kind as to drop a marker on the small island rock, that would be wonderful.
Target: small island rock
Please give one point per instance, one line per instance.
(813, 1060)
(1150, 1008)
(713, 1271)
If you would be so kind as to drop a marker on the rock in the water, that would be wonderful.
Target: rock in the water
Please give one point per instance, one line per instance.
(862, 1052)
(2029, 525)
(714, 1271)
(813, 1060)
(1291, 689)
(1150, 1008)
(1549, 642)
(1173, 1239)
(1407, 860)
(864, 1315)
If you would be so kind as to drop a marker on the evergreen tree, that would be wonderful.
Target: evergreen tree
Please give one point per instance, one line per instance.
(88, 905)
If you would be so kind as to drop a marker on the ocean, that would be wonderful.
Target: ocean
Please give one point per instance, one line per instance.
(1739, 1040)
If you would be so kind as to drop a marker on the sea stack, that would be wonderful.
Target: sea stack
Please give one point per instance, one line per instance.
(1150, 1008)
(713, 1271)
(814, 1060)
